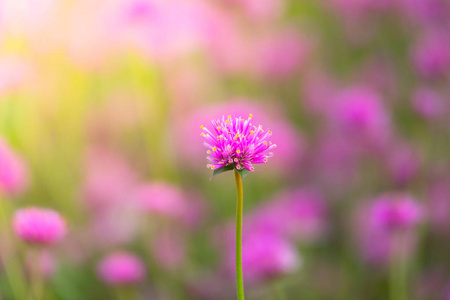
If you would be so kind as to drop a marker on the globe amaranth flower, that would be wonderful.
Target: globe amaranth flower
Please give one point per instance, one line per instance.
(237, 143)
(393, 212)
(121, 268)
(265, 255)
(39, 226)
(13, 171)
(386, 227)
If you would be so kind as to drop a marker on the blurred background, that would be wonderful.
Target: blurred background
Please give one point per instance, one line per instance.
(101, 104)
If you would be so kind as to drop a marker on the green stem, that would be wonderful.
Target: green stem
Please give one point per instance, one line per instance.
(36, 274)
(11, 265)
(125, 293)
(398, 271)
(279, 290)
(239, 212)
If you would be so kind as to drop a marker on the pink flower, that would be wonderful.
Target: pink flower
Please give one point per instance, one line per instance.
(264, 256)
(237, 142)
(160, 198)
(161, 30)
(169, 250)
(385, 228)
(121, 268)
(14, 71)
(425, 12)
(393, 212)
(428, 103)
(46, 263)
(431, 55)
(108, 179)
(335, 162)
(290, 142)
(39, 226)
(115, 225)
(359, 113)
(298, 214)
(316, 91)
(260, 10)
(280, 55)
(438, 204)
(358, 9)
(403, 163)
(13, 172)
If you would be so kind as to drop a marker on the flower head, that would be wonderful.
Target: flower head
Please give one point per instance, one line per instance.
(237, 143)
(121, 268)
(39, 226)
(13, 171)
(264, 255)
(160, 198)
(392, 212)
(386, 227)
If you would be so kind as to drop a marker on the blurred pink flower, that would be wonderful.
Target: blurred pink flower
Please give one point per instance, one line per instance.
(380, 74)
(358, 9)
(264, 256)
(360, 114)
(280, 55)
(260, 10)
(91, 43)
(300, 214)
(430, 283)
(14, 72)
(438, 204)
(108, 179)
(161, 30)
(115, 225)
(169, 250)
(227, 44)
(28, 17)
(317, 90)
(386, 227)
(431, 54)
(448, 292)
(121, 268)
(162, 199)
(334, 162)
(39, 226)
(46, 263)
(425, 12)
(393, 212)
(115, 116)
(403, 163)
(290, 142)
(428, 103)
(13, 171)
